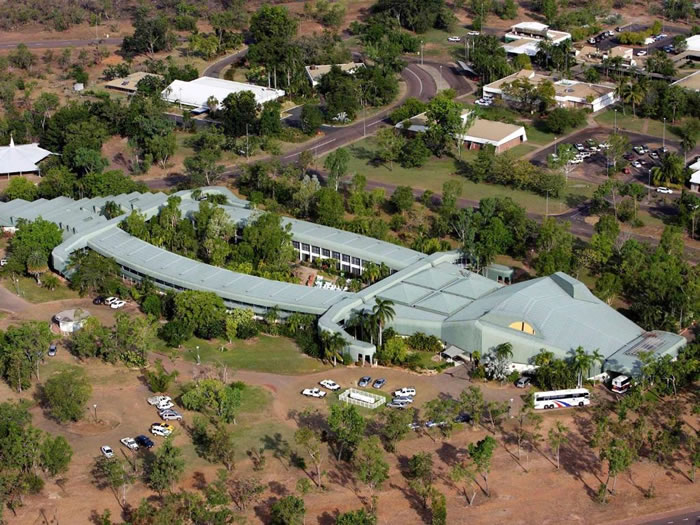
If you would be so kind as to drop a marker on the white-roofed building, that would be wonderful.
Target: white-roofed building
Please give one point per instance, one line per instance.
(695, 182)
(195, 93)
(524, 38)
(315, 72)
(21, 158)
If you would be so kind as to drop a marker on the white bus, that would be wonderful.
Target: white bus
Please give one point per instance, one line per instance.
(575, 397)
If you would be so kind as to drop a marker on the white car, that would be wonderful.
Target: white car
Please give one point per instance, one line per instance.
(117, 304)
(155, 400)
(3, 262)
(483, 102)
(407, 391)
(129, 443)
(330, 385)
(165, 405)
(654, 155)
(453, 39)
(637, 164)
(107, 451)
(110, 300)
(313, 392)
(170, 415)
(161, 430)
(576, 160)
(473, 33)
(664, 189)
(580, 147)
(662, 35)
(641, 53)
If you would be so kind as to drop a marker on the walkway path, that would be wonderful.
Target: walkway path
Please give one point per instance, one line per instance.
(11, 302)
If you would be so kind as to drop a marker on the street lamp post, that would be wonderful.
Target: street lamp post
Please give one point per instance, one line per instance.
(546, 209)
(615, 126)
(421, 52)
(95, 409)
(664, 139)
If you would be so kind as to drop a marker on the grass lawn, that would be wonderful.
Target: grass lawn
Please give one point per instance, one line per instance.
(34, 293)
(631, 123)
(263, 353)
(437, 171)
(522, 149)
(539, 137)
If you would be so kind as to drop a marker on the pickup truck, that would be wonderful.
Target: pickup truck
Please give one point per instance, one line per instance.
(157, 400)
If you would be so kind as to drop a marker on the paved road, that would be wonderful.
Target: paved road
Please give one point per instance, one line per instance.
(43, 44)
(687, 518)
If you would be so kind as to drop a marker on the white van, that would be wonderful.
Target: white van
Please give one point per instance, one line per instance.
(406, 391)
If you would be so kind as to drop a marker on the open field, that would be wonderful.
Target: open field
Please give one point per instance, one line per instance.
(439, 170)
(640, 125)
(32, 292)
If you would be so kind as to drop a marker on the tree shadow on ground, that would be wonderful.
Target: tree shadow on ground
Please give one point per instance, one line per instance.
(277, 488)
(414, 501)
(311, 419)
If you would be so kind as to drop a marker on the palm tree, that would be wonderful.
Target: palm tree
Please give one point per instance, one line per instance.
(632, 93)
(36, 265)
(581, 362)
(371, 272)
(670, 170)
(504, 351)
(596, 357)
(382, 313)
(334, 344)
(464, 125)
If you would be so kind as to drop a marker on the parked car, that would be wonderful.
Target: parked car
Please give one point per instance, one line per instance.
(158, 399)
(170, 415)
(404, 400)
(364, 381)
(379, 383)
(414, 426)
(523, 381)
(165, 405)
(397, 403)
(407, 391)
(117, 304)
(107, 451)
(664, 189)
(453, 39)
(432, 424)
(144, 441)
(654, 155)
(110, 300)
(637, 164)
(463, 418)
(98, 300)
(161, 430)
(3, 261)
(473, 33)
(484, 102)
(129, 443)
(330, 385)
(313, 392)
(52, 349)
(641, 53)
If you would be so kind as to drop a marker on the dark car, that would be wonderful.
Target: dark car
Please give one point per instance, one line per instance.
(98, 300)
(52, 349)
(379, 383)
(143, 441)
(463, 418)
(364, 381)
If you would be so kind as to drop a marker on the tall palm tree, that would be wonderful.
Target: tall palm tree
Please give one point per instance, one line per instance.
(504, 351)
(581, 362)
(36, 265)
(382, 312)
(463, 127)
(334, 344)
(371, 272)
(596, 357)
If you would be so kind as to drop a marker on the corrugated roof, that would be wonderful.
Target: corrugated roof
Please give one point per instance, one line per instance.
(196, 92)
(21, 158)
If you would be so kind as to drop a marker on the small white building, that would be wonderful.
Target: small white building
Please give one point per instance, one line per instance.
(315, 72)
(500, 135)
(524, 38)
(72, 320)
(695, 182)
(195, 93)
(21, 158)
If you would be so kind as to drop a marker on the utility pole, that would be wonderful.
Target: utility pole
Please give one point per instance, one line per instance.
(546, 210)
(246, 145)
(664, 143)
(615, 126)
(364, 117)
(421, 52)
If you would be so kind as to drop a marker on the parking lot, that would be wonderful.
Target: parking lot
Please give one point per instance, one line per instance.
(594, 167)
(612, 41)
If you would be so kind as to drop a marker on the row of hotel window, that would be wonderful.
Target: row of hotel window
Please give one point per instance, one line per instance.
(344, 262)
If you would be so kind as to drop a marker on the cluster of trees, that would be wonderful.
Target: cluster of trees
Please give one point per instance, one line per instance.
(27, 452)
(263, 247)
(22, 349)
(507, 170)
(416, 15)
(29, 250)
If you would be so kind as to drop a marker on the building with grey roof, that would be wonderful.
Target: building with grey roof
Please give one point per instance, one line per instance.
(432, 294)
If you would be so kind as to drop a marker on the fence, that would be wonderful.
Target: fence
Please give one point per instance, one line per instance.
(361, 398)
